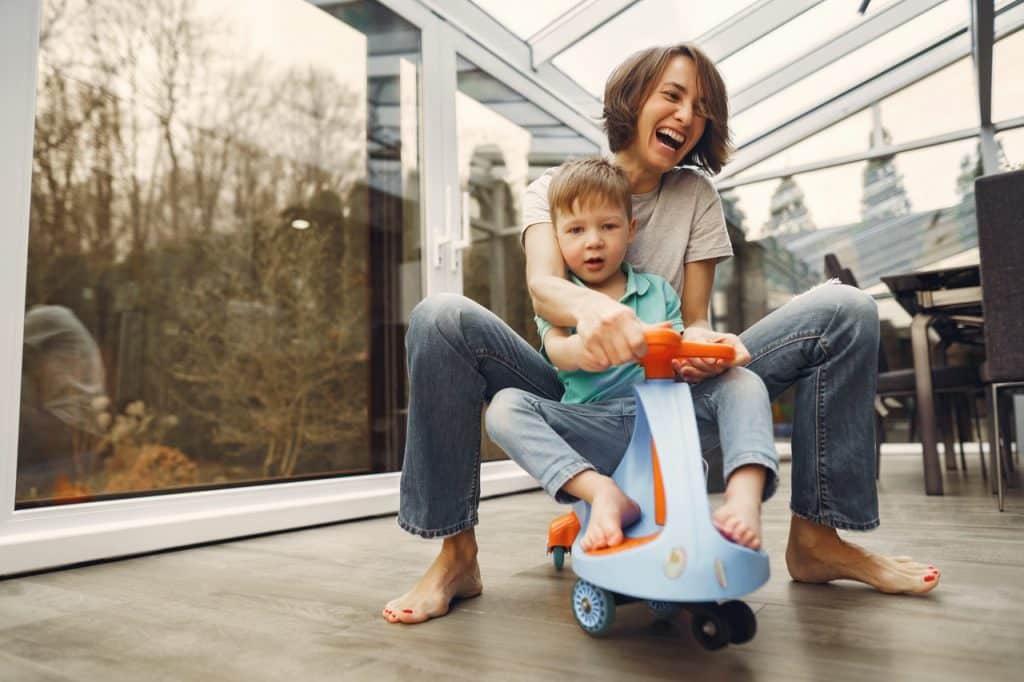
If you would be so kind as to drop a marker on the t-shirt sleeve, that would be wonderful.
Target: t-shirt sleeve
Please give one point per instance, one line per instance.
(535, 203)
(709, 237)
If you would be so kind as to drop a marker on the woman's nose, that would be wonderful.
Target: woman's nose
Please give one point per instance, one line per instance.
(684, 112)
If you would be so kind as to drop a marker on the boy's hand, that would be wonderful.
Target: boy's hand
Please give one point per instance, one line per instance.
(610, 334)
(695, 370)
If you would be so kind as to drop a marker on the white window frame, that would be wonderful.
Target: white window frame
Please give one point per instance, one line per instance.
(44, 538)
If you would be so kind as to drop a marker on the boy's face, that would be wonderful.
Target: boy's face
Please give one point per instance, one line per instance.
(593, 239)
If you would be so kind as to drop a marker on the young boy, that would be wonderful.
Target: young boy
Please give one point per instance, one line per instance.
(573, 446)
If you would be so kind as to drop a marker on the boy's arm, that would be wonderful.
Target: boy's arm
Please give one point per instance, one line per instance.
(610, 331)
(565, 350)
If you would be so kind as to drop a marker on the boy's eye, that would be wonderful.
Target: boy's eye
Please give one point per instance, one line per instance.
(610, 226)
(575, 229)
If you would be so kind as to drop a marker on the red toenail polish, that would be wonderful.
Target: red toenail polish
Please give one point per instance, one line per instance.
(406, 610)
(929, 578)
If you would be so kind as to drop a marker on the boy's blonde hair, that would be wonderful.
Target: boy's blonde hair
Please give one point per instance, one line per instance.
(587, 180)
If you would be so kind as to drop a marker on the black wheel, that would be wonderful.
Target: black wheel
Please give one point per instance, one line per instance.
(742, 622)
(710, 629)
(664, 610)
(558, 556)
(594, 608)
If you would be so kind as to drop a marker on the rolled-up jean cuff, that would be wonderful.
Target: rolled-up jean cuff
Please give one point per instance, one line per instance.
(554, 484)
(769, 462)
(448, 531)
(837, 521)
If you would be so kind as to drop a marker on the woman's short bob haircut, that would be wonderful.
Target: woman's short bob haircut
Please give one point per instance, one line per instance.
(634, 80)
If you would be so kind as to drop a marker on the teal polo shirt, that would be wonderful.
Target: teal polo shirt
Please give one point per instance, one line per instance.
(653, 300)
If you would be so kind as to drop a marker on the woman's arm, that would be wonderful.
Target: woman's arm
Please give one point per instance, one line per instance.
(698, 283)
(564, 349)
(610, 333)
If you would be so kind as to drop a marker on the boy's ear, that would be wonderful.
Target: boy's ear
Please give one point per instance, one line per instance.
(632, 229)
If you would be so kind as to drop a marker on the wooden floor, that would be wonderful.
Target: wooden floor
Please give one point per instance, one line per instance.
(304, 606)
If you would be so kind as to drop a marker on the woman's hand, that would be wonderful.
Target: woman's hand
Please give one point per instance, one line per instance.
(695, 370)
(610, 333)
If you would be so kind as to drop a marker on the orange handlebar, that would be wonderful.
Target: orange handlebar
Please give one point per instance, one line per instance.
(665, 345)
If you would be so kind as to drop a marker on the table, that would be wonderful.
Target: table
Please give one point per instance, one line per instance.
(948, 301)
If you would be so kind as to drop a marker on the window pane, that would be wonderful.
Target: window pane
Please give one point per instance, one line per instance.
(1011, 145)
(880, 217)
(649, 22)
(873, 58)
(224, 243)
(793, 39)
(526, 19)
(1007, 85)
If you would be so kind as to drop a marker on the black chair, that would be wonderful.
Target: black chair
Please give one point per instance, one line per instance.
(1000, 212)
(953, 386)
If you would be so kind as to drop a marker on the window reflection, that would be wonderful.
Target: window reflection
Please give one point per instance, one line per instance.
(216, 191)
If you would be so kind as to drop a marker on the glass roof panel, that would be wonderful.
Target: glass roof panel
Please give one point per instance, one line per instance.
(873, 58)
(1007, 85)
(525, 19)
(792, 39)
(649, 22)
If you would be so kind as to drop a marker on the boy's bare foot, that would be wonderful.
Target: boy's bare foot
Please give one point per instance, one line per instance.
(816, 554)
(610, 511)
(455, 574)
(739, 520)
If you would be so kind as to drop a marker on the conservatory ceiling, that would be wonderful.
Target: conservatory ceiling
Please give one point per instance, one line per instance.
(792, 67)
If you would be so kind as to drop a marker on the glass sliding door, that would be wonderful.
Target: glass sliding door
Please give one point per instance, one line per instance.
(503, 141)
(224, 245)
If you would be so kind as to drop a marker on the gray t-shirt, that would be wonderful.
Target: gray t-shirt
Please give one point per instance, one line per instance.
(679, 222)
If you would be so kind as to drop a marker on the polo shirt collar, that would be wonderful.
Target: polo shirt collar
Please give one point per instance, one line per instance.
(635, 286)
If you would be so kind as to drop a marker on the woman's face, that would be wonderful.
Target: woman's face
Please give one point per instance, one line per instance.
(668, 126)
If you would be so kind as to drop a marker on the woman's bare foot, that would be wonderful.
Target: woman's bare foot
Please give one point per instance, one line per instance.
(739, 520)
(816, 554)
(455, 574)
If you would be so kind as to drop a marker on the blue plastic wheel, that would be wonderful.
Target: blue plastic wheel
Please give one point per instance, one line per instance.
(594, 608)
(558, 556)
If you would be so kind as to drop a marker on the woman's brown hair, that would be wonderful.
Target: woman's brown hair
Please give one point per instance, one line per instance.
(633, 81)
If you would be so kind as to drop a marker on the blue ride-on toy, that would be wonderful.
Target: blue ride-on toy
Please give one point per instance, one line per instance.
(672, 557)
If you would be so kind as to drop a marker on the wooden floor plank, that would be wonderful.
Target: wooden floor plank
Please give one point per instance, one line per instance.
(305, 605)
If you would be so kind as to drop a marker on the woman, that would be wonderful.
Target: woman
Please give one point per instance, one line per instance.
(664, 107)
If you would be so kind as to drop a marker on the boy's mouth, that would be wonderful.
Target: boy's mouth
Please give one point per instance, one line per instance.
(593, 263)
(670, 138)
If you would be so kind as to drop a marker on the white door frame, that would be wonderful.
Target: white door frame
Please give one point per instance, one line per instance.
(43, 538)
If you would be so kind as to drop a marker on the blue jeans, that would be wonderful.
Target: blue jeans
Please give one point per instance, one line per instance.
(553, 441)
(824, 342)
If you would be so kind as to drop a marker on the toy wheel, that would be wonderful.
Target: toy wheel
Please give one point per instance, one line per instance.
(593, 607)
(742, 622)
(558, 556)
(664, 610)
(710, 630)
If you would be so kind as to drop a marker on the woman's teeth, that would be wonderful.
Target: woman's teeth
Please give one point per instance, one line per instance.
(670, 138)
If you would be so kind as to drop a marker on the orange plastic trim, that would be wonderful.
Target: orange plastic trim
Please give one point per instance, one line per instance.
(629, 543)
(563, 531)
(659, 489)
